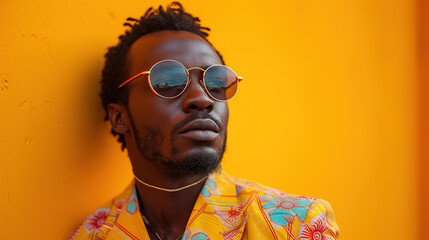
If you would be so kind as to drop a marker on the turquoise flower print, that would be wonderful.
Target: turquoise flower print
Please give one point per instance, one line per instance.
(196, 236)
(200, 236)
(283, 210)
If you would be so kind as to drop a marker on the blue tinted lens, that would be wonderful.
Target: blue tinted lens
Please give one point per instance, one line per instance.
(220, 82)
(168, 78)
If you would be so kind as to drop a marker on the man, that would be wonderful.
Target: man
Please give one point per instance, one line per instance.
(164, 89)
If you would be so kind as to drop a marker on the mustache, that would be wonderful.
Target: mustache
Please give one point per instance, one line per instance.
(200, 115)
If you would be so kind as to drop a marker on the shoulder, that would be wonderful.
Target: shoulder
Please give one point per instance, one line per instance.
(246, 187)
(288, 215)
(320, 221)
(99, 219)
(93, 223)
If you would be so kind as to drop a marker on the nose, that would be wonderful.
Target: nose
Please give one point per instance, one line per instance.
(196, 99)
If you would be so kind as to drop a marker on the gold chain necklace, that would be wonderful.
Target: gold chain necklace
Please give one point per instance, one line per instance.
(170, 189)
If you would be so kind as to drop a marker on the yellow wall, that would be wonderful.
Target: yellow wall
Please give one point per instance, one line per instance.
(423, 96)
(327, 108)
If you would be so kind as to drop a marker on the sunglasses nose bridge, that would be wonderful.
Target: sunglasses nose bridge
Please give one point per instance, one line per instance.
(195, 81)
(196, 75)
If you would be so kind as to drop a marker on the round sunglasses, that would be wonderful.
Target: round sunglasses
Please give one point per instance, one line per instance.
(169, 78)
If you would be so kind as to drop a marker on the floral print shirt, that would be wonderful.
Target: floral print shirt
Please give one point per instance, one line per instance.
(227, 208)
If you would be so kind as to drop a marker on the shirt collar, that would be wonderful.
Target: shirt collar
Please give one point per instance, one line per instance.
(217, 211)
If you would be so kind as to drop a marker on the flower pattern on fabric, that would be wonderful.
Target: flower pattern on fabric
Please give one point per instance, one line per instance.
(318, 226)
(200, 236)
(94, 222)
(228, 208)
(196, 236)
(232, 219)
(286, 209)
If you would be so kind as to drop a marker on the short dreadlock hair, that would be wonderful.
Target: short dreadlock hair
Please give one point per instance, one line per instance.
(114, 72)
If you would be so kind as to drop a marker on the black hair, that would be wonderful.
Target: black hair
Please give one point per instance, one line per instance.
(173, 17)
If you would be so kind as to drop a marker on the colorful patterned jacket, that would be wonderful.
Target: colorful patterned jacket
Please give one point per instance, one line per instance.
(227, 208)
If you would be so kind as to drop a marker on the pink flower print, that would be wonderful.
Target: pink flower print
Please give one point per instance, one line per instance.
(316, 230)
(94, 222)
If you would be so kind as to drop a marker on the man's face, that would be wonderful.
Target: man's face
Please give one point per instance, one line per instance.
(185, 135)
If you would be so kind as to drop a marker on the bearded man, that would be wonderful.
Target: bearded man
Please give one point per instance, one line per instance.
(165, 90)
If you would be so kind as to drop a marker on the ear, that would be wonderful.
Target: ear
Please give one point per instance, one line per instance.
(118, 117)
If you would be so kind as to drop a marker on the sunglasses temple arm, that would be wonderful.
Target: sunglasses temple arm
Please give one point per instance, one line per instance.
(131, 79)
(239, 79)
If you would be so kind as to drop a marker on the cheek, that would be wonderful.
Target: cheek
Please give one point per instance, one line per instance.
(151, 111)
(144, 106)
(222, 111)
(151, 115)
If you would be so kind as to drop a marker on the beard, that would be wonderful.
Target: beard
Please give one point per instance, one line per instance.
(149, 141)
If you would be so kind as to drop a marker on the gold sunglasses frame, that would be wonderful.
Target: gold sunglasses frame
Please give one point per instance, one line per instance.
(238, 78)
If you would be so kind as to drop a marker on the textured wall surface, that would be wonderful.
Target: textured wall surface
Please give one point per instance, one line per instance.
(328, 108)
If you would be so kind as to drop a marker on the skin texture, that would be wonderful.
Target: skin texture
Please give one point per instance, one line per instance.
(152, 128)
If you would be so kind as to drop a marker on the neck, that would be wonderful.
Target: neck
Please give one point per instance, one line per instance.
(168, 212)
(170, 189)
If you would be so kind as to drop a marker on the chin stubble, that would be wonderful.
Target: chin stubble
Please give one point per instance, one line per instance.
(149, 142)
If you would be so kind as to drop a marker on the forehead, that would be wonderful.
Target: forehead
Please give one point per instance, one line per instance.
(188, 48)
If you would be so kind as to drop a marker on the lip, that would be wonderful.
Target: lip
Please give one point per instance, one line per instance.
(202, 129)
